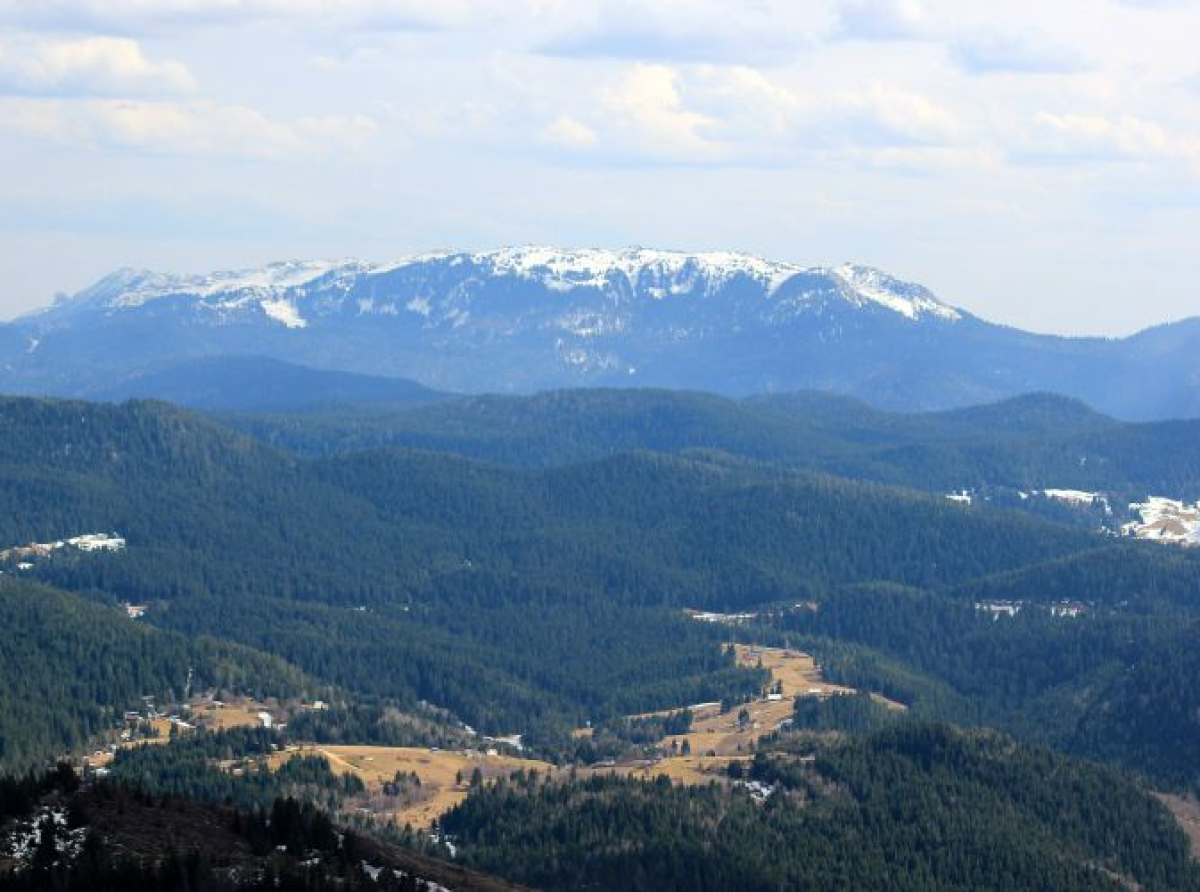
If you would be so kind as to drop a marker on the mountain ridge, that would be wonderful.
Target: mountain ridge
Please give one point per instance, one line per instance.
(557, 269)
(521, 320)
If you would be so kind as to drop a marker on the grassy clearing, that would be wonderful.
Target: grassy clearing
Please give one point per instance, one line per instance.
(715, 737)
(219, 715)
(724, 734)
(439, 772)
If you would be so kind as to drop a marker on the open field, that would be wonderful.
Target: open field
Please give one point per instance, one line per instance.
(723, 735)
(103, 758)
(681, 769)
(714, 733)
(714, 740)
(717, 738)
(437, 769)
(799, 673)
(237, 713)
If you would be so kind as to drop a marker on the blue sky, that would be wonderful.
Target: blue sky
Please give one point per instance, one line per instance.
(1037, 163)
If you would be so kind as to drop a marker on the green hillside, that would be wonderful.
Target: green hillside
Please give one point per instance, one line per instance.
(69, 668)
(529, 600)
(918, 807)
(1029, 442)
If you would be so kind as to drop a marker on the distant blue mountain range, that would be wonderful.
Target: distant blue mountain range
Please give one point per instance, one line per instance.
(527, 319)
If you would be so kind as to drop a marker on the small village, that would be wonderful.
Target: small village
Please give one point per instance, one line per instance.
(1060, 609)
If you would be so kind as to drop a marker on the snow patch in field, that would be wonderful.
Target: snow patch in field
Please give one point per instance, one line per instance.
(1165, 520)
(86, 542)
(97, 542)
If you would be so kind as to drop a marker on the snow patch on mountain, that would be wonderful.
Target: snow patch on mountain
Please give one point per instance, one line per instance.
(441, 286)
(595, 268)
(585, 324)
(265, 282)
(419, 305)
(908, 300)
(284, 311)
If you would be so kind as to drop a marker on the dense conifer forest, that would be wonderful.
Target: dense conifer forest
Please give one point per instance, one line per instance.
(523, 567)
(916, 807)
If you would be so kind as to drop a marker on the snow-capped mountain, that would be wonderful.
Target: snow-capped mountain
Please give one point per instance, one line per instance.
(418, 285)
(530, 318)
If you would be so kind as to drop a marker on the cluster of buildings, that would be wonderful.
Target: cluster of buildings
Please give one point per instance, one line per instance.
(1062, 609)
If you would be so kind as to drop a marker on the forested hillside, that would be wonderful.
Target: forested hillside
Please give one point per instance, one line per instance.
(918, 807)
(63, 832)
(69, 668)
(532, 595)
(258, 383)
(1107, 683)
(1030, 442)
(534, 599)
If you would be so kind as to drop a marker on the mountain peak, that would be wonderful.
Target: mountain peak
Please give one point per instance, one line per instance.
(565, 269)
(594, 267)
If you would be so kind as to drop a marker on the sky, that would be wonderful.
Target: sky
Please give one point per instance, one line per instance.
(1036, 163)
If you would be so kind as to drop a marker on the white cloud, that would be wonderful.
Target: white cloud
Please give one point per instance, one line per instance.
(734, 115)
(1083, 137)
(198, 128)
(646, 108)
(885, 115)
(90, 66)
(747, 101)
(568, 132)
